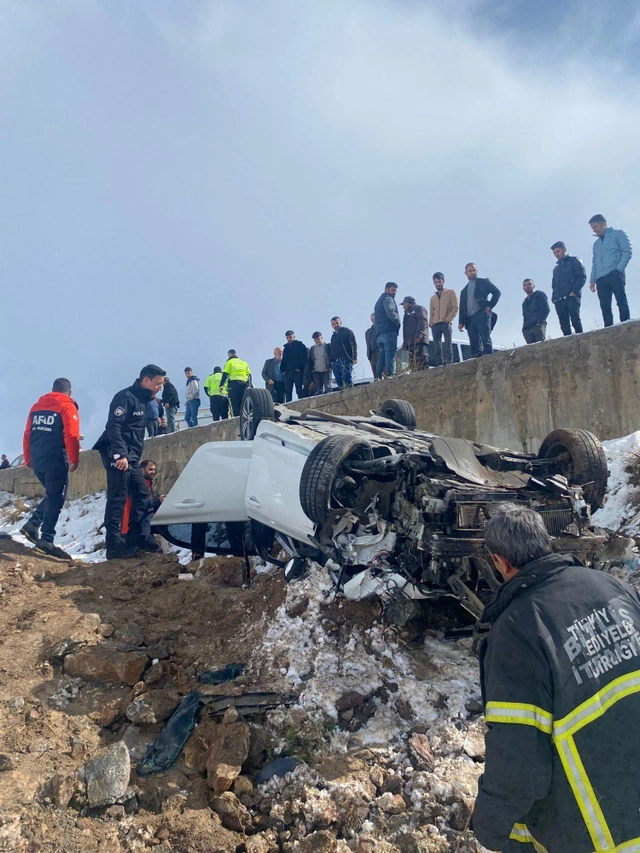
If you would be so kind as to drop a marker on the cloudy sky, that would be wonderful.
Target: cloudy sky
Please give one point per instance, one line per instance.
(182, 178)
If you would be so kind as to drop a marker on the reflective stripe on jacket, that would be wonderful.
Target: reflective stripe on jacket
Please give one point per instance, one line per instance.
(561, 684)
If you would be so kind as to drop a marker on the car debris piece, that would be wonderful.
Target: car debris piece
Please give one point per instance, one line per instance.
(219, 676)
(247, 704)
(167, 746)
(279, 767)
(388, 509)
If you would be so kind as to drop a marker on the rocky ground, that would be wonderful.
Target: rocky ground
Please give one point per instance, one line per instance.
(385, 727)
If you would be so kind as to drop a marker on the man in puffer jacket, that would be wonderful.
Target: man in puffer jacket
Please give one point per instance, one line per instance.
(611, 254)
(569, 276)
(560, 676)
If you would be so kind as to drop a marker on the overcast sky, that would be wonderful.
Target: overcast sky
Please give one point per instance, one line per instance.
(182, 178)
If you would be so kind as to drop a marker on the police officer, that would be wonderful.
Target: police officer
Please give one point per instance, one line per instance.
(560, 675)
(120, 447)
(218, 400)
(238, 373)
(51, 446)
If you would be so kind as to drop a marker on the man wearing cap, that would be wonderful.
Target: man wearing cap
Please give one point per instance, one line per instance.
(443, 308)
(415, 333)
(611, 254)
(569, 276)
(477, 301)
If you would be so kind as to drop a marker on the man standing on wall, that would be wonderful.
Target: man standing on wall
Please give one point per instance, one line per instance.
(193, 398)
(443, 308)
(171, 403)
(218, 400)
(415, 333)
(611, 254)
(51, 447)
(535, 310)
(344, 353)
(320, 364)
(387, 323)
(238, 374)
(372, 346)
(477, 301)
(272, 375)
(569, 276)
(120, 447)
(294, 361)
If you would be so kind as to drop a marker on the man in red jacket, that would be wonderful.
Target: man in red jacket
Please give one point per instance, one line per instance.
(51, 446)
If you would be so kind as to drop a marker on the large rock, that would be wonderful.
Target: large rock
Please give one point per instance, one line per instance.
(108, 776)
(154, 707)
(228, 751)
(102, 664)
(232, 813)
(319, 842)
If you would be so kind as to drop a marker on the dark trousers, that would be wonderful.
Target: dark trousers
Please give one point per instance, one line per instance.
(236, 393)
(373, 362)
(152, 427)
(322, 381)
(418, 356)
(277, 391)
(479, 331)
(55, 480)
(119, 485)
(535, 334)
(442, 332)
(568, 311)
(291, 379)
(219, 406)
(610, 285)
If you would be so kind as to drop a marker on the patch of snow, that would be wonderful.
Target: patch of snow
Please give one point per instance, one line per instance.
(620, 510)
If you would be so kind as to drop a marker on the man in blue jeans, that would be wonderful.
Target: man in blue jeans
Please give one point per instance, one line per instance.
(193, 398)
(343, 353)
(387, 325)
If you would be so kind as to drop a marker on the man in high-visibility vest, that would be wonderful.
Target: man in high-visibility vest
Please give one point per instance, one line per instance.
(218, 400)
(238, 374)
(560, 676)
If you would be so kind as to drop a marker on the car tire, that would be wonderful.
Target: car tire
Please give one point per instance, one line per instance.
(257, 405)
(321, 469)
(399, 411)
(588, 465)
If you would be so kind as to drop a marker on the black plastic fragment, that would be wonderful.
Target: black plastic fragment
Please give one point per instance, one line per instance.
(219, 676)
(167, 746)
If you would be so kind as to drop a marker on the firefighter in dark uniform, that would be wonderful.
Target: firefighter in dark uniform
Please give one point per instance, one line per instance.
(560, 673)
(120, 447)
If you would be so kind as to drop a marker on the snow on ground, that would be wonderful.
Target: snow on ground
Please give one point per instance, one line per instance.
(78, 529)
(621, 508)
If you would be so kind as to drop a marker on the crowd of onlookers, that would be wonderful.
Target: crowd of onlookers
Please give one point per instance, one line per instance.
(312, 370)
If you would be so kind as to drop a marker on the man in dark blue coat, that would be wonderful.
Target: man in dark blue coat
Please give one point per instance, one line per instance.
(477, 301)
(535, 310)
(569, 276)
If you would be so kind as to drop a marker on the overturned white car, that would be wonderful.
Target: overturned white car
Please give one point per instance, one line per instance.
(387, 508)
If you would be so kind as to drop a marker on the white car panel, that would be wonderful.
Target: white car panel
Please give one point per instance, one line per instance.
(279, 455)
(211, 487)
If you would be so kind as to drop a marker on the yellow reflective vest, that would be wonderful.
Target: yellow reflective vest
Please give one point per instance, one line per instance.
(237, 370)
(560, 675)
(212, 385)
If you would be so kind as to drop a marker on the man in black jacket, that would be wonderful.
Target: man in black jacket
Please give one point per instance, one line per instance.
(120, 447)
(372, 345)
(319, 364)
(294, 361)
(560, 675)
(415, 333)
(344, 353)
(569, 277)
(477, 301)
(171, 403)
(535, 310)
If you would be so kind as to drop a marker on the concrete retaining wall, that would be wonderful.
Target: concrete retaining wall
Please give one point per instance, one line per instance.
(510, 399)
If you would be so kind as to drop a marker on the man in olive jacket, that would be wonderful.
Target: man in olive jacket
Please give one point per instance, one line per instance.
(560, 675)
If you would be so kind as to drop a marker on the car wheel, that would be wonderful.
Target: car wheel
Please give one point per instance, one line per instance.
(257, 405)
(322, 469)
(399, 411)
(586, 464)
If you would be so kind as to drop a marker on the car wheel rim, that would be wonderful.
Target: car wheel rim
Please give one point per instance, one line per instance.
(247, 420)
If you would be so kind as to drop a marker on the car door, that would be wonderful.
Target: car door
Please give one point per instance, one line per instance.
(273, 488)
(211, 487)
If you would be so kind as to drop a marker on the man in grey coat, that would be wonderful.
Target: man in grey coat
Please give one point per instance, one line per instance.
(272, 375)
(611, 254)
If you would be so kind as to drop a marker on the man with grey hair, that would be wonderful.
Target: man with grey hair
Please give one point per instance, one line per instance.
(560, 675)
